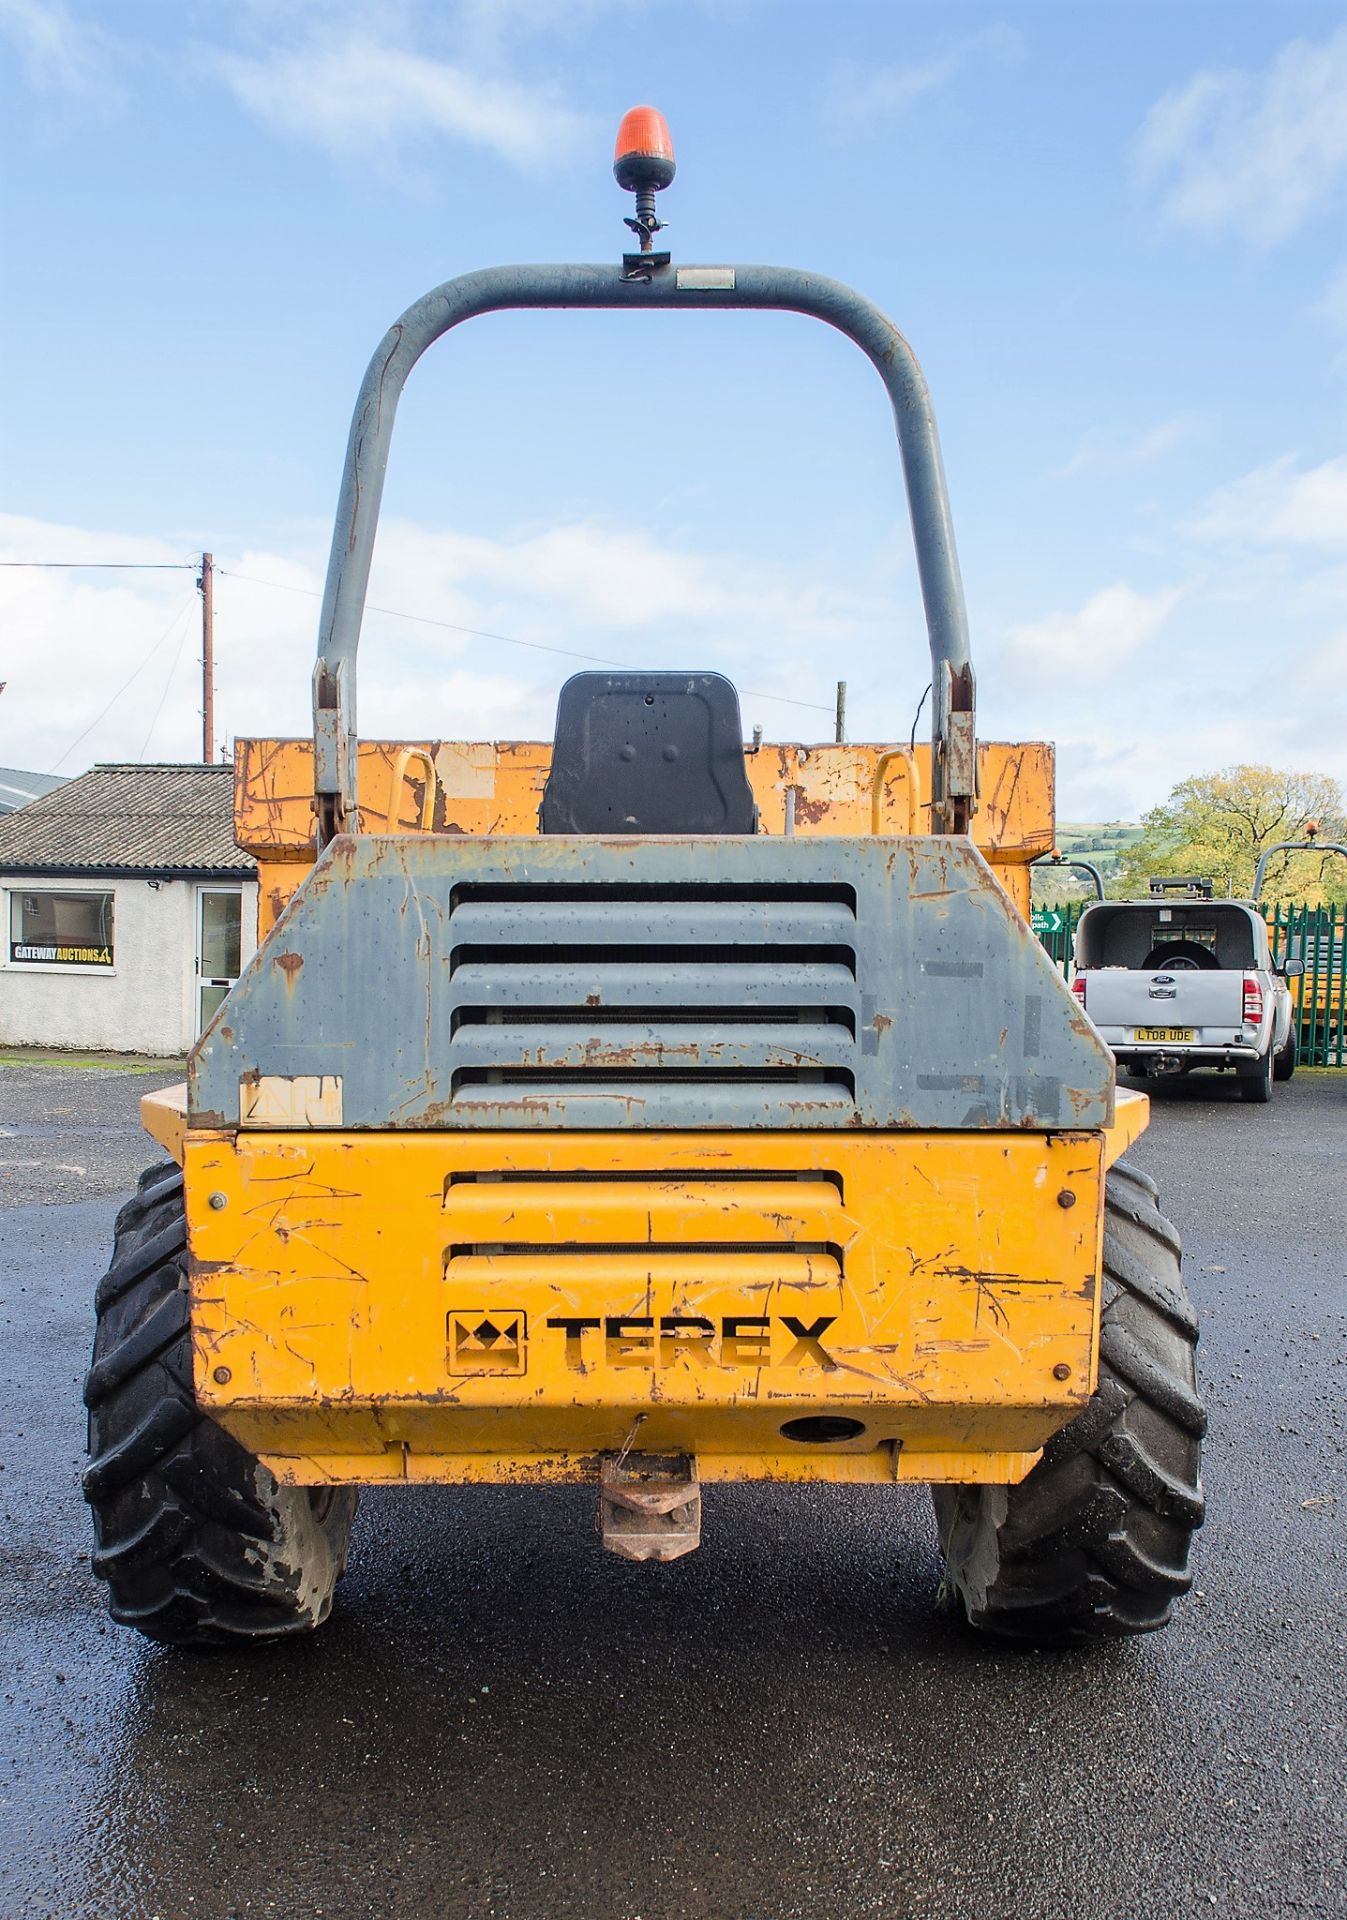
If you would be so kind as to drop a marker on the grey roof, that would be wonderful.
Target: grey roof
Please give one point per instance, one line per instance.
(17, 788)
(129, 819)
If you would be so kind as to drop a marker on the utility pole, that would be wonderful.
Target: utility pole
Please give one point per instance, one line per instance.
(841, 733)
(206, 586)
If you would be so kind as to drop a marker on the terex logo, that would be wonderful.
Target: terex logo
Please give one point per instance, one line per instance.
(480, 1343)
(735, 1340)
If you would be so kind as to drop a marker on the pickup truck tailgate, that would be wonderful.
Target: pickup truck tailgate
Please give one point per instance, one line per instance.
(1206, 1006)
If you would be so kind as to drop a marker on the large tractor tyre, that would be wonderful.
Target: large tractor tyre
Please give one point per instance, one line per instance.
(1094, 1543)
(198, 1542)
(1288, 1056)
(1256, 1084)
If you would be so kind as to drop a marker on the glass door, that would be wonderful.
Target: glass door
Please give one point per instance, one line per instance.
(219, 948)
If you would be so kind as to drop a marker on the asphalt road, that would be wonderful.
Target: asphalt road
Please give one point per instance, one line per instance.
(501, 1720)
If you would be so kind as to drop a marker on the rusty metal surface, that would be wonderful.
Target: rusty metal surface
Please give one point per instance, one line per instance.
(650, 1506)
(448, 982)
(494, 787)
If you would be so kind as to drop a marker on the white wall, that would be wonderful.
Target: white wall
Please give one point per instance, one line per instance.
(144, 1003)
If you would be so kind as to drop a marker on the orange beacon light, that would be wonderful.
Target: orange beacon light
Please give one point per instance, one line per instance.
(643, 164)
(643, 155)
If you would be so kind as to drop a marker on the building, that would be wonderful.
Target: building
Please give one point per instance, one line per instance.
(17, 788)
(127, 910)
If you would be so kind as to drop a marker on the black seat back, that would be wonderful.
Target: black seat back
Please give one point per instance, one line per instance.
(648, 753)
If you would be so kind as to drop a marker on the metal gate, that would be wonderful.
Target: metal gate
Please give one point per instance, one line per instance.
(1056, 928)
(1318, 936)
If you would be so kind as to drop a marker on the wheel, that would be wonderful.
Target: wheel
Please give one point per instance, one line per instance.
(1094, 1543)
(1182, 956)
(1256, 1086)
(199, 1544)
(1288, 1057)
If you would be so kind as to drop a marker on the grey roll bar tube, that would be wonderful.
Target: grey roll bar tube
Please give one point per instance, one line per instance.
(1291, 846)
(1080, 866)
(499, 289)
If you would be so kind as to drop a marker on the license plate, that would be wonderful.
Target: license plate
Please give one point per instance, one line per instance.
(1177, 1034)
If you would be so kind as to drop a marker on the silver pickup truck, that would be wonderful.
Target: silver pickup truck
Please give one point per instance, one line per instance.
(1176, 984)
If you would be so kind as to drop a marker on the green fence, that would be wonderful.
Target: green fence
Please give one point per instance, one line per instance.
(1056, 928)
(1316, 935)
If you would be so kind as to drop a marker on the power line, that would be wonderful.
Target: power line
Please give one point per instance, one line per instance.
(135, 675)
(503, 639)
(109, 566)
(173, 668)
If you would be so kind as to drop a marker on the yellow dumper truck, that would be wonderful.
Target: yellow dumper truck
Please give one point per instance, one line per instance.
(639, 1109)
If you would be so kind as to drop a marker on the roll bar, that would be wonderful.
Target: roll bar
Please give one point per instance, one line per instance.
(647, 286)
(1291, 846)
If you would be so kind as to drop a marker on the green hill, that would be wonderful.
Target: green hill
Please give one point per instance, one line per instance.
(1102, 842)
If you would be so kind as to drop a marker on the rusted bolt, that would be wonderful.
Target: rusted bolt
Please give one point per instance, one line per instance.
(1060, 1372)
(222, 1376)
(216, 1201)
(1066, 1198)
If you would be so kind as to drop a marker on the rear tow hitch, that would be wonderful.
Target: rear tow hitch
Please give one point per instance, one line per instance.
(650, 1506)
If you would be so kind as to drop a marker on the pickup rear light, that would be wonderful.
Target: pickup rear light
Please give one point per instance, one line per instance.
(1253, 1003)
(1078, 988)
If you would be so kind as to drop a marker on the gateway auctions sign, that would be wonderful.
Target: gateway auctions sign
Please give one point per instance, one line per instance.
(61, 955)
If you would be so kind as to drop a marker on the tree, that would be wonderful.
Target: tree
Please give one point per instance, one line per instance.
(1216, 825)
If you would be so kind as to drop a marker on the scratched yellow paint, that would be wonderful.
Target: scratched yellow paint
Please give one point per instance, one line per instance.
(488, 787)
(375, 1308)
(364, 1306)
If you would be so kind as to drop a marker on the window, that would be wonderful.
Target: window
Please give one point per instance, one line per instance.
(60, 929)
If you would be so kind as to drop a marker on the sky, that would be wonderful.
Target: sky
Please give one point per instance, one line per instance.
(1115, 234)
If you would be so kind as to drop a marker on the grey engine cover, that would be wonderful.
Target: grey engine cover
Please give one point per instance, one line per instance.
(538, 982)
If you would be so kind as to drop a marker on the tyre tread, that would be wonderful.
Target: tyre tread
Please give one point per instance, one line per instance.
(197, 1542)
(1095, 1542)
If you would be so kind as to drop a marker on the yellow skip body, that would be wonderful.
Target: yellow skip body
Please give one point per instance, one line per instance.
(482, 1306)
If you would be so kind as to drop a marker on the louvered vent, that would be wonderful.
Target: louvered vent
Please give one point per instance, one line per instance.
(579, 1231)
(624, 990)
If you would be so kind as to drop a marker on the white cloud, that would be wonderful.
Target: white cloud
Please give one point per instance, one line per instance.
(1254, 154)
(1135, 693)
(75, 638)
(1117, 773)
(491, 30)
(1129, 452)
(1281, 505)
(1138, 691)
(862, 96)
(589, 577)
(1137, 687)
(348, 92)
(1096, 641)
(128, 642)
(53, 51)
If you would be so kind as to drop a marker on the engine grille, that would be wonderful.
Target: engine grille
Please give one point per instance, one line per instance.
(625, 992)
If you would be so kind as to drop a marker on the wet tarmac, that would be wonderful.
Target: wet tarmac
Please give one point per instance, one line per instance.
(501, 1720)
